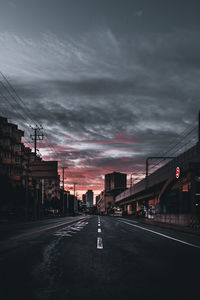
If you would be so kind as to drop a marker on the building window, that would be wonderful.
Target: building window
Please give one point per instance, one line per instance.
(17, 159)
(17, 171)
(8, 129)
(7, 155)
(7, 169)
(18, 147)
(7, 142)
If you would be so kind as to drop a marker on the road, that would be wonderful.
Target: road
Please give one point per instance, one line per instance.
(92, 257)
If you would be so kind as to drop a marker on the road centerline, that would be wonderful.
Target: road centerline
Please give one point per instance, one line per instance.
(99, 243)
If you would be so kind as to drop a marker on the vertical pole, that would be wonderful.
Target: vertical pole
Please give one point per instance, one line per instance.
(131, 181)
(35, 140)
(199, 129)
(26, 195)
(36, 136)
(147, 167)
(74, 198)
(63, 189)
(42, 191)
(67, 200)
(38, 201)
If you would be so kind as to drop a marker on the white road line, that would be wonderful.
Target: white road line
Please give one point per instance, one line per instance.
(99, 224)
(99, 243)
(99, 229)
(27, 234)
(132, 221)
(161, 234)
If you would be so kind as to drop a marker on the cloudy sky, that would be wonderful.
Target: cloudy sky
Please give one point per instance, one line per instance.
(111, 81)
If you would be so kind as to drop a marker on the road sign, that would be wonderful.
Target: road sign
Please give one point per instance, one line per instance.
(177, 172)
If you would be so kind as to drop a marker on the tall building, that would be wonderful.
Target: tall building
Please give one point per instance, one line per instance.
(46, 172)
(11, 151)
(84, 198)
(115, 181)
(26, 180)
(89, 198)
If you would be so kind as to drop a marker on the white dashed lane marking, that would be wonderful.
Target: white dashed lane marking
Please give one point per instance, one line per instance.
(99, 239)
(99, 243)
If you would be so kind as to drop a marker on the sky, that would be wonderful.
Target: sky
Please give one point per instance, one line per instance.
(112, 82)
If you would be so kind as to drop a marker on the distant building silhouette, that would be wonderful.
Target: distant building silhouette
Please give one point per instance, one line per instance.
(89, 198)
(115, 181)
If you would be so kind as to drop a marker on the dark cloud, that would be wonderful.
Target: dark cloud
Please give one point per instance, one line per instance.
(122, 90)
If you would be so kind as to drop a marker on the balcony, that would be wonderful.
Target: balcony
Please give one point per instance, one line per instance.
(15, 177)
(6, 147)
(6, 160)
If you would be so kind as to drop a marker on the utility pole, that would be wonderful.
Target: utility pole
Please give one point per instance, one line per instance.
(74, 187)
(131, 178)
(36, 136)
(74, 196)
(26, 193)
(42, 196)
(199, 129)
(63, 188)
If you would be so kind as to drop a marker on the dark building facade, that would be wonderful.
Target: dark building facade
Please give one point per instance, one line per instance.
(11, 155)
(89, 198)
(28, 183)
(115, 181)
(84, 198)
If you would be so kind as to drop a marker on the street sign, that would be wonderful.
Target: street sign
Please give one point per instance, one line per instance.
(177, 172)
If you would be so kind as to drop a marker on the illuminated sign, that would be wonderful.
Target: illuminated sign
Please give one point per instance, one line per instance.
(177, 172)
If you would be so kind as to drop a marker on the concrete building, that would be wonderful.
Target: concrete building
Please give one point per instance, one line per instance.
(11, 160)
(26, 180)
(97, 199)
(89, 198)
(84, 198)
(115, 183)
(45, 175)
(13, 169)
(69, 204)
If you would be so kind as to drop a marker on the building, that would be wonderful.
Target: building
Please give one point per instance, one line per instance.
(84, 198)
(11, 163)
(115, 181)
(28, 182)
(12, 168)
(97, 198)
(89, 198)
(44, 175)
(69, 207)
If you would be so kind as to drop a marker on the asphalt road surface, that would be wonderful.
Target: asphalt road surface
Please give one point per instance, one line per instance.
(92, 257)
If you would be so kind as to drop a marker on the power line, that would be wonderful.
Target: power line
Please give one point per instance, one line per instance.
(173, 147)
(23, 106)
(20, 101)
